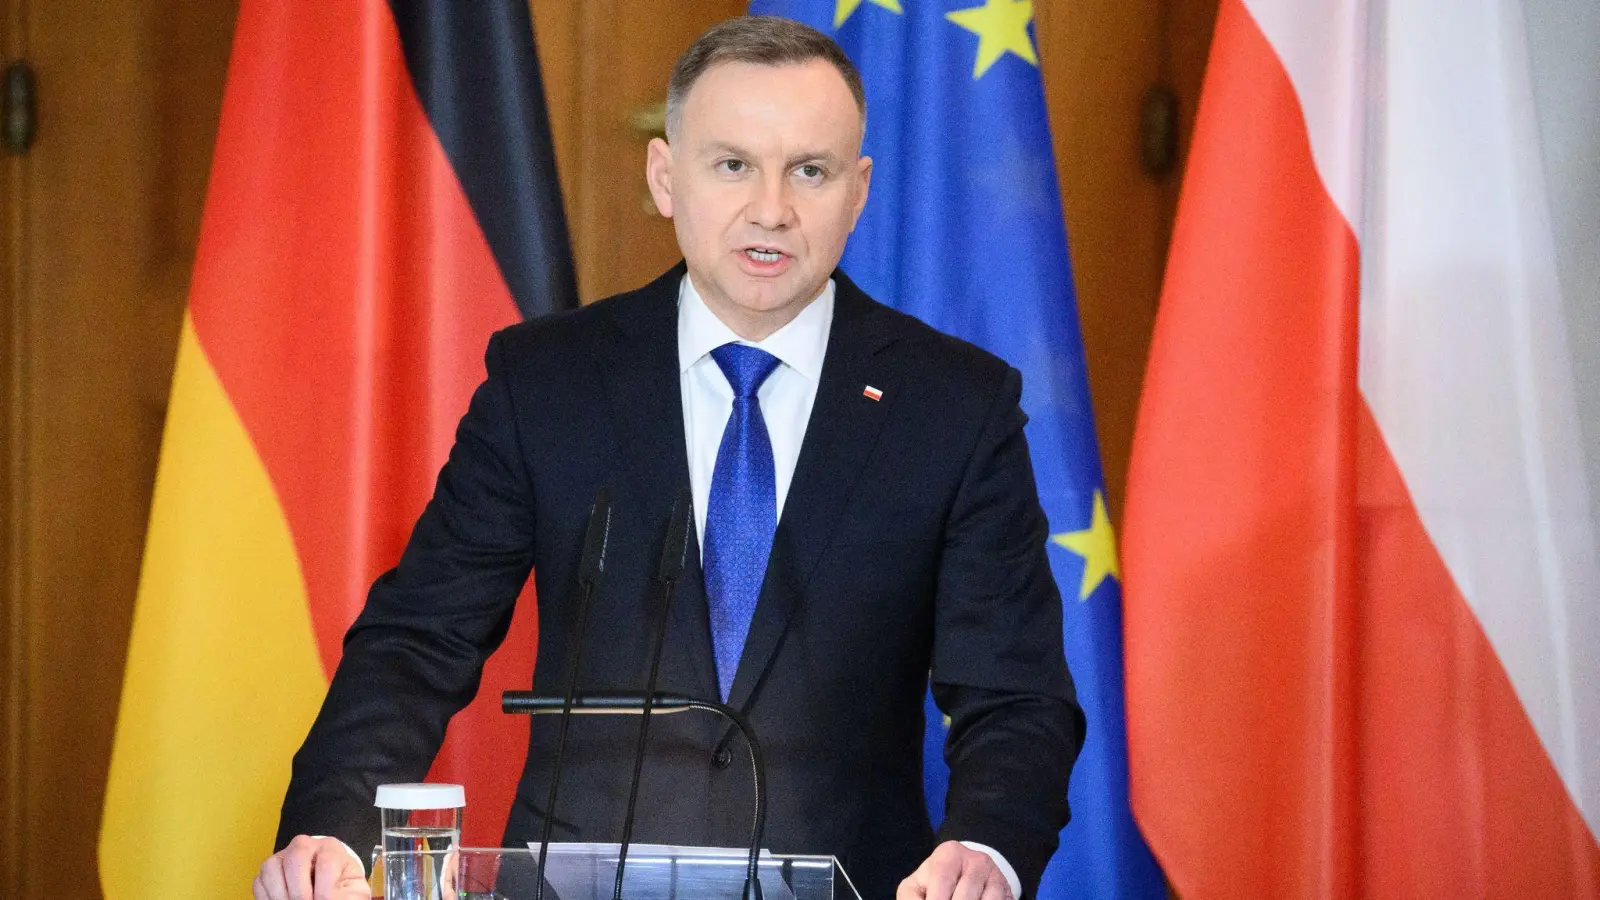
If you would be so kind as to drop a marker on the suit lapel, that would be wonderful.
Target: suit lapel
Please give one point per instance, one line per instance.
(646, 397)
(840, 436)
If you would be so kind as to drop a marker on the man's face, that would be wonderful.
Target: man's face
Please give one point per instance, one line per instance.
(763, 182)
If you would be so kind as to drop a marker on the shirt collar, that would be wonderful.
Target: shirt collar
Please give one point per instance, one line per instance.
(800, 345)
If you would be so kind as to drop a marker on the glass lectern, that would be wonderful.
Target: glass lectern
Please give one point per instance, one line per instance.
(588, 872)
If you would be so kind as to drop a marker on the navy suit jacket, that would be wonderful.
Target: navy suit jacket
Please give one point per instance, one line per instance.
(911, 541)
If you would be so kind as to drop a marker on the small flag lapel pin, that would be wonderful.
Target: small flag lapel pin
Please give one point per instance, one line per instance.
(872, 393)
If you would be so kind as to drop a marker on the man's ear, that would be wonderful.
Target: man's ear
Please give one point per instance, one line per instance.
(658, 175)
(864, 167)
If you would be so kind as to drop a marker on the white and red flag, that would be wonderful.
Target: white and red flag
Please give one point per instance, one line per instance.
(1361, 557)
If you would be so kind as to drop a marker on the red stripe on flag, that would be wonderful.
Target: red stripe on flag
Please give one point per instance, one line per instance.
(345, 294)
(1458, 797)
(1238, 540)
(1313, 710)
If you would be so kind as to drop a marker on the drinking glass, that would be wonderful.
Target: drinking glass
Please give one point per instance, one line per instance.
(421, 831)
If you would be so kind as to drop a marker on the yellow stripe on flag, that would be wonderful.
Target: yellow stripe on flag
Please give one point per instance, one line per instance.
(223, 678)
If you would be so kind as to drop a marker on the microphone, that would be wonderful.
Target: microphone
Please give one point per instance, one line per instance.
(591, 566)
(526, 702)
(675, 549)
(596, 540)
(623, 703)
(674, 556)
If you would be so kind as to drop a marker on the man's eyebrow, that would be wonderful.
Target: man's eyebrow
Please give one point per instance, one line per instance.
(717, 148)
(826, 158)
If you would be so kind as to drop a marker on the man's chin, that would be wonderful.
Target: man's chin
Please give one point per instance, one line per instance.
(767, 297)
(778, 292)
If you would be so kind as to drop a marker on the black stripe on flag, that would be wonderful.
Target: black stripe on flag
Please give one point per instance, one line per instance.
(476, 71)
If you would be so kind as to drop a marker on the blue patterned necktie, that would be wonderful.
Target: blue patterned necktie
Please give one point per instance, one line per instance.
(742, 513)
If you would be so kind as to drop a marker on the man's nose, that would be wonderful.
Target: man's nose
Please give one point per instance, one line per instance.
(772, 205)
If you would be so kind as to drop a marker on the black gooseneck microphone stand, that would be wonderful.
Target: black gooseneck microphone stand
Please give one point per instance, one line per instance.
(674, 557)
(590, 569)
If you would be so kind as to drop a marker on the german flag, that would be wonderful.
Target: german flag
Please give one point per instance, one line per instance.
(382, 198)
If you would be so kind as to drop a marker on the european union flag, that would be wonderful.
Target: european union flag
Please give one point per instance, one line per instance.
(963, 229)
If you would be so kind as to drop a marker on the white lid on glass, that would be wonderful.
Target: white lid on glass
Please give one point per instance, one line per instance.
(421, 796)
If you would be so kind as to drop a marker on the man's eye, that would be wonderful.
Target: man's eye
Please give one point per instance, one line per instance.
(811, 170)
(732, 165)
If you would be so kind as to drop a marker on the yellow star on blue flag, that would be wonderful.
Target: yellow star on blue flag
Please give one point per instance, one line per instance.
(1097, 544)
(1001, 27)
(846, 8)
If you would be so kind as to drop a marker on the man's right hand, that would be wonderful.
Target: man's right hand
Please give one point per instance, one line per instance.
(312, 869)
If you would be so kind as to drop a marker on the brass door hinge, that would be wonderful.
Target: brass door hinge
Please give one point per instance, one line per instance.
(1158, 131)
(18, 109)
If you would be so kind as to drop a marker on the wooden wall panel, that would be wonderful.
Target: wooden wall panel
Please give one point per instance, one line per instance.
(108, 202)
(13, 632)
(1186, 43)
(556, 29)
(1099, 58)
(603, 65)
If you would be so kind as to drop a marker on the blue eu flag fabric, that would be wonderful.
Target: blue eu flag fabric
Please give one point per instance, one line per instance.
(963, 229)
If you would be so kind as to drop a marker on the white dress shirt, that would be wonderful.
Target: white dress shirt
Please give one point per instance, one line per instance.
(786, 399)
(786, 396)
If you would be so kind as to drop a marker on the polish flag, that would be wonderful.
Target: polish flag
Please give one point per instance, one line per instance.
(1362, 569)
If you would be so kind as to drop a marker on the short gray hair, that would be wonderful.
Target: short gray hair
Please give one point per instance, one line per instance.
(761, 41)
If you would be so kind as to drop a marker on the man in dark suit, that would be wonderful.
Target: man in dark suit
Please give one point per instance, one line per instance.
(866, 514)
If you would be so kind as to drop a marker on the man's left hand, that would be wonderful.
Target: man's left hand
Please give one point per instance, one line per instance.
(955, 872)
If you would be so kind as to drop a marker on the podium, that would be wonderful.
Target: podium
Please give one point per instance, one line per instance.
(588, 872)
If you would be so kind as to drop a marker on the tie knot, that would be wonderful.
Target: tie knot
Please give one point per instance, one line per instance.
(745, 367)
